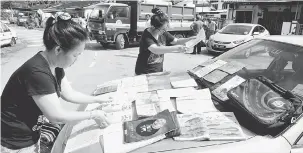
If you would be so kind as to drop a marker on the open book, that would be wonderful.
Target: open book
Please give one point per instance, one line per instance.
(209, 126)
(192, 127)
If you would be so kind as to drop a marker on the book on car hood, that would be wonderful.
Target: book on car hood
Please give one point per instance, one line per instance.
(148, 128)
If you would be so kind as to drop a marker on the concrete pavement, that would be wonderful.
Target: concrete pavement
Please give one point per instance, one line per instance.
(96, 65)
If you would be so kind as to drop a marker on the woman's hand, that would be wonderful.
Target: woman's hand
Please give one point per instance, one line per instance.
(181, 48)
(100, 117)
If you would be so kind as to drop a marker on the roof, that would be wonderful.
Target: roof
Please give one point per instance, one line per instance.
(292, 39)
(73, 4)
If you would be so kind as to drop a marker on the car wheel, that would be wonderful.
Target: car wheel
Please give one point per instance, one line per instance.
(179, 36)
(13, 41)
(247, 53)
(120, 42)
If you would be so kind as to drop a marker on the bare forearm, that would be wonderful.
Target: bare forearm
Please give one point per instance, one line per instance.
(80, 98)
(164, 49)
(75, 116)
(71, 116)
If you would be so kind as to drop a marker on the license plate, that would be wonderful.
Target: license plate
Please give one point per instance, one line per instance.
(219, 46)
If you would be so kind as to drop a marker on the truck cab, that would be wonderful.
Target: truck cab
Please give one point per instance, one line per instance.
(109, 23)
(123, 22)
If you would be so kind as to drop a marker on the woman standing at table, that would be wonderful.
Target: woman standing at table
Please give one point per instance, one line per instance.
(155, 42)
(32, 92)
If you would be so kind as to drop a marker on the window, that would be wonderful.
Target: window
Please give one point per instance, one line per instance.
(96, 11)
(224, 6)
(236, 29)
(215, 6)
(119, 12)
(256, 29)
(261, 29)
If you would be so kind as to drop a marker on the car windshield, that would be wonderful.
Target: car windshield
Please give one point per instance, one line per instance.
(95, 13)
(279, 62)
(236, 29)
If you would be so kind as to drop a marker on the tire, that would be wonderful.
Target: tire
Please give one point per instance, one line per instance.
(13, 42)
(105, 45)
(120, 42)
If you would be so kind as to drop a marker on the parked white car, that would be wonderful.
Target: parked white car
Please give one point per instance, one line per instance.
(284, 68)
(8, 35)
(233, 35)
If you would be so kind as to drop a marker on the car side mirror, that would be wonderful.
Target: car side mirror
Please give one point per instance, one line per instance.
(256, 33)
(100, 14)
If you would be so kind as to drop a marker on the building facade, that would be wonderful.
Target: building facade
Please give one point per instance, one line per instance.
(270, 14)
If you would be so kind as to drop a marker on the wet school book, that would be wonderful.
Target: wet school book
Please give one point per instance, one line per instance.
(139, 130)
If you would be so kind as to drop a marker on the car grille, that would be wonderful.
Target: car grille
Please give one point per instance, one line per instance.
(98, 36)
(221, 49)
(221, 42)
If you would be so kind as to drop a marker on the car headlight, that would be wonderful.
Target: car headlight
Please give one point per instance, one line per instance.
(238, 41)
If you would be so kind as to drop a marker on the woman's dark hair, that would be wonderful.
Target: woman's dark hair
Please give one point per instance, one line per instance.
(63, 32)
(159, 18)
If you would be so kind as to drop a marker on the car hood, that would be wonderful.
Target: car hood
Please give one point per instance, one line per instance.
(256, 144)
(229, 37)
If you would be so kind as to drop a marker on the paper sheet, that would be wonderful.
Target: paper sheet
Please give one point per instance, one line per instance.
(146, 110)
(146, 98)
(207, 69)
(161, 106)
(183, 81)
(200, 37)
(114, 143)
(180, 92)
(209, 61)
(189, 106)
(215, 76)
(199, 102)
(232, 67)
(140, 80)
(223, 126)
(221, 91)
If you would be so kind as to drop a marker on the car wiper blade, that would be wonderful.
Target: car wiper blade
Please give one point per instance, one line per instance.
(227, 32)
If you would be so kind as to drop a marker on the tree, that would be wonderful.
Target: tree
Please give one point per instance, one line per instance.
(6, 4)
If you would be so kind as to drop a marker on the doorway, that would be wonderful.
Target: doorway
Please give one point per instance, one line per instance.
(243, 16)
